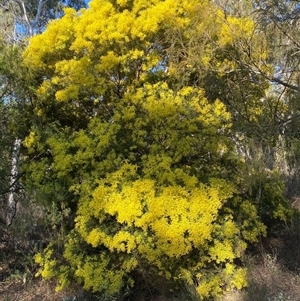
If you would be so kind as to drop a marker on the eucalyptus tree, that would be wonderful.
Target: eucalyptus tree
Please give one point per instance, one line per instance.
(31, 16)
(10, 60)
(278, 21)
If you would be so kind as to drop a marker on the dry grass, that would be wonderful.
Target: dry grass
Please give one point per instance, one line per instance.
(269, 280)
(17, 270)
(273, 272)
(37, 290)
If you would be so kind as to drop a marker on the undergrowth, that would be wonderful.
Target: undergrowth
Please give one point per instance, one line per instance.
(273, 267)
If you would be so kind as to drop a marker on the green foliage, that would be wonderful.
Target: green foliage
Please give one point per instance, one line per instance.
(10, 56)
(267, 194)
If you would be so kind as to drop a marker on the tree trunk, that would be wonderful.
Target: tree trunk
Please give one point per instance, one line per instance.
(12, 203)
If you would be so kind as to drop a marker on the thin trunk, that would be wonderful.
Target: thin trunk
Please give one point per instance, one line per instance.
(12, 203)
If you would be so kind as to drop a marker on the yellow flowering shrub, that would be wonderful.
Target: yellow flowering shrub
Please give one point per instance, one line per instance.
(147, 166)
(46, 260)
(140, 206)
(134, 222)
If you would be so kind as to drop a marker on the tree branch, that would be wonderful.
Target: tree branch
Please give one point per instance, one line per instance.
(38, 13)
(23, 8)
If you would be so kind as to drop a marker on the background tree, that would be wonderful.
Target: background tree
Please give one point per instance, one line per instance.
(10, 59)
(19, 20)
(278, 21)
(233, 70)
(32, 16)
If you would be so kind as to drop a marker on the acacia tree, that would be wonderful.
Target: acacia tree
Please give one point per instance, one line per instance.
(129, 133)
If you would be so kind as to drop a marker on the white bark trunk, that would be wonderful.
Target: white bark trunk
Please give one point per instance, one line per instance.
(31, 24)
(12, 203)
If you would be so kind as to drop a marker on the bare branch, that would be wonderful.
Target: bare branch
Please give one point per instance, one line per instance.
(23, 8)
(281, 82)
(273, 18)
(38, 14)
